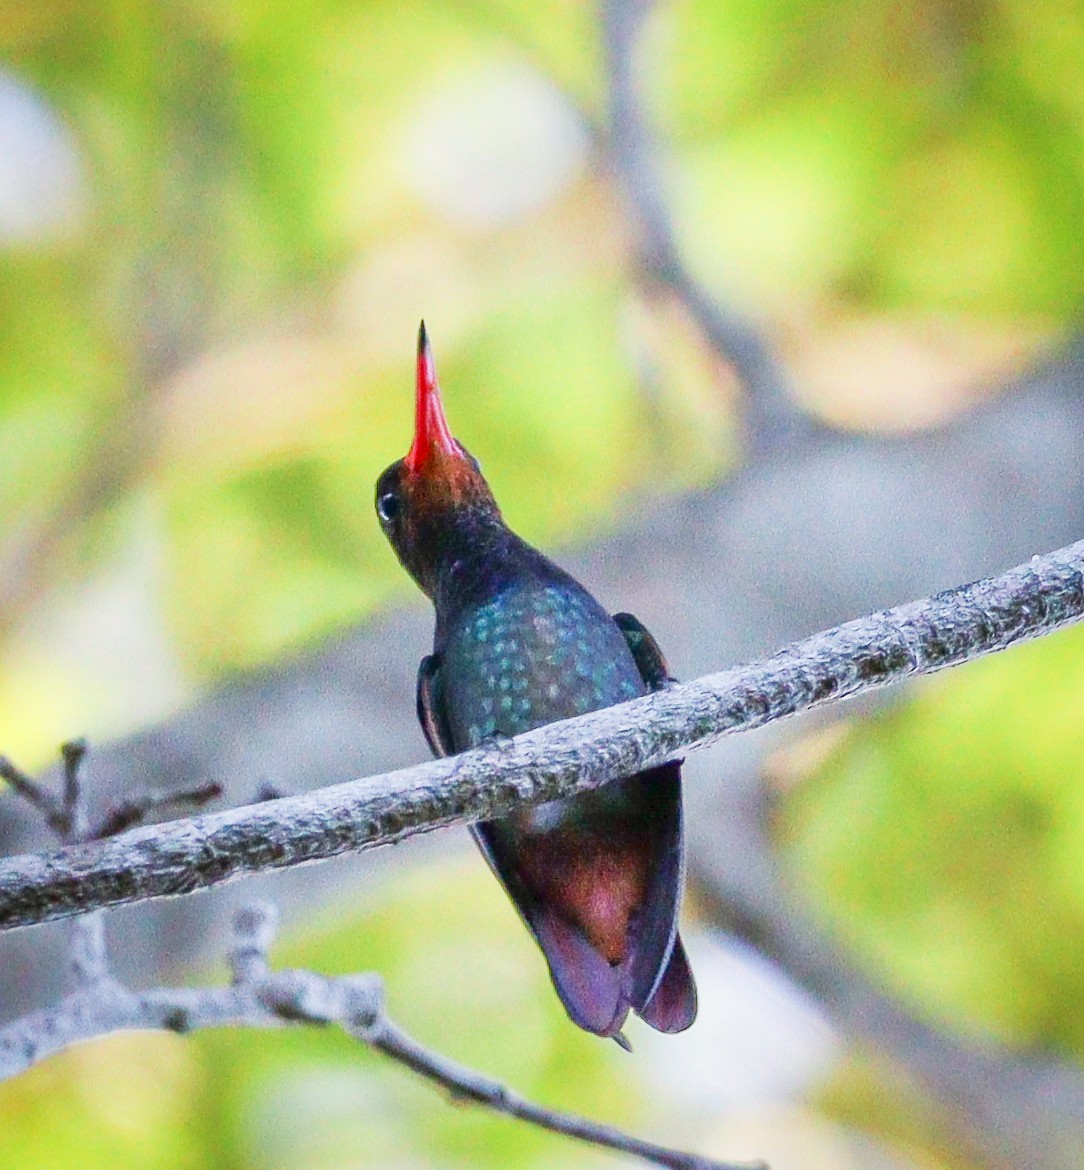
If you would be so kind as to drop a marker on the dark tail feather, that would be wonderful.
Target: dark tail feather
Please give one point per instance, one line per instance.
(673, 1006)
(589, 987)
(654, 977)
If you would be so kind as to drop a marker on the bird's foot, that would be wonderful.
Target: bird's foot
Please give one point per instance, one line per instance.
(496, 742)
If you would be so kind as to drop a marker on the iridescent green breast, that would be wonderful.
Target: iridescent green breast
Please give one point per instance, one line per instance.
(535, 653)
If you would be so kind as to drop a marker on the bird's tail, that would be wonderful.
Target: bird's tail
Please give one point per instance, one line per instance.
(600, 891)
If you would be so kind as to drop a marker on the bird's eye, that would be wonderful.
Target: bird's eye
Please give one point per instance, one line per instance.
(388, 507)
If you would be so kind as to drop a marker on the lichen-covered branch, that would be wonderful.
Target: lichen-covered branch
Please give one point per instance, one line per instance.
(556, 761)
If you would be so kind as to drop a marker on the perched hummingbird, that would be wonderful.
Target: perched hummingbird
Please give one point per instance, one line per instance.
(596, 877)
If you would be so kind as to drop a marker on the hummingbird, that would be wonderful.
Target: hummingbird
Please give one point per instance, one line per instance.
(597, 878)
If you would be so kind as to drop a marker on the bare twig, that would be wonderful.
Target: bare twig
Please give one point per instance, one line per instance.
(258, 997)
(34, 794)
(88, 955)
(68, 819)
(130, 813)
(773, 419)
(75, 810)
(552, 762)
(466, 1085)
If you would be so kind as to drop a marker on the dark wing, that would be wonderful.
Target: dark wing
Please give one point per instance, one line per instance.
(431, 714)
(645, 652)
(666, 999)
(661, 986)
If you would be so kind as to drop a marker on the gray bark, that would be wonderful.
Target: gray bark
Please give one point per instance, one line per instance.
(552, 762)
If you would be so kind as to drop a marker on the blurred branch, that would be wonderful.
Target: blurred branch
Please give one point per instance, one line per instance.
(129, 813)
(773, 419)
(35, 794)
(258, 997)
(554, 761)
(465, 1085)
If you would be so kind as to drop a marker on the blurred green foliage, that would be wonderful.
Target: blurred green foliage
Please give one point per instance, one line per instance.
(944, 841)
(248, 197)
(925, 156)
(204, 366)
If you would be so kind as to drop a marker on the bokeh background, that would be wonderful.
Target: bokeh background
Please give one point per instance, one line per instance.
(219, 225)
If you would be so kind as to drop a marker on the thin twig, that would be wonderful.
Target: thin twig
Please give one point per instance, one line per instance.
(73, 754)
(552, 762)
(69, 820)
(135, 811)
(34, 794)
(88, 955)
(466, 1085)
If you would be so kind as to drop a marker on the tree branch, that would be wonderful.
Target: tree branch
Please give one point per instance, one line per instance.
(469, 1086)
(554, 761)
(257, 997)
(774, 420)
